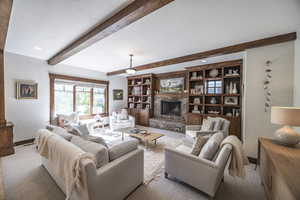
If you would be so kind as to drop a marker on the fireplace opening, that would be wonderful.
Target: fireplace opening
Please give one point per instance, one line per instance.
(171, 108)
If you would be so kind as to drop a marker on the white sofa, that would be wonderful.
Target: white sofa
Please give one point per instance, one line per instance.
(117, 176)
(200, 173)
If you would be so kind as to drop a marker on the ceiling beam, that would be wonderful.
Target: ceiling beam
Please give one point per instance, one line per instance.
(133, 12)
(215, 52)
(5, 10)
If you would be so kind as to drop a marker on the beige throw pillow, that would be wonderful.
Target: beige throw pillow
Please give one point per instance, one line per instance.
(207, 125)
(198, 144)
(211, 146)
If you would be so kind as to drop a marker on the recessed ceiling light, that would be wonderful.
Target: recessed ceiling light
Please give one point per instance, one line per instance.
(38, 48)
(204, 61)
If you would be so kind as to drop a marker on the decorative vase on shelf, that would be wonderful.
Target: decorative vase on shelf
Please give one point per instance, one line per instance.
(234, 89)
(227, 89)
(230, 88)
(213, 73)
(213, 100)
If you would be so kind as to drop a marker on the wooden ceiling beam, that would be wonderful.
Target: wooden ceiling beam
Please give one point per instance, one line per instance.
(133, 12)
(215, 52)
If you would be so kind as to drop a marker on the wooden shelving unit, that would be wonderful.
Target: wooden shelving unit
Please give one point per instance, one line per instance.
(140, 97)
(219, 95)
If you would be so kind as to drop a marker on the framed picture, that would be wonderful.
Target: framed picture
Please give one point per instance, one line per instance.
(26, 90)
(173, 85)
(231, 100)
(118, 94)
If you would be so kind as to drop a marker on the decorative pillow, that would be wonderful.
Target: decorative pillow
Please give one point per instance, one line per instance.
(207, 125)
(98, 150)
(60, 131)
(71, 118)
(80, 129)
(218, 123)
(211, 146)
(95, 139)
(123, 115)
(198, 144)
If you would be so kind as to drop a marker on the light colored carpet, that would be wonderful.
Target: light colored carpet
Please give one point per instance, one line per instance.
(26, 179)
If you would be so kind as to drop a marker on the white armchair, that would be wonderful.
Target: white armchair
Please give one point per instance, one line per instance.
(194, 131)
(200, 173)
(116, 123)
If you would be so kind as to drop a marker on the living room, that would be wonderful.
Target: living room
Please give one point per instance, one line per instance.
(148, 84)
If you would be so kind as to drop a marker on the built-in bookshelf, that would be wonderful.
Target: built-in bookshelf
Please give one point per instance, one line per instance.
(140, 97)
(216, 90)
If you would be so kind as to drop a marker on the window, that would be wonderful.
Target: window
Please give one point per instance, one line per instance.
(64, 97)
(98, 100)
(214, 87)
(83, 100)
(86, 98)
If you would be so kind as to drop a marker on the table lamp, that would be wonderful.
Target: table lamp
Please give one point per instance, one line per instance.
(287, 116)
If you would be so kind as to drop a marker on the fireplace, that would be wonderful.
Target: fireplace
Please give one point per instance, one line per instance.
(170, 108)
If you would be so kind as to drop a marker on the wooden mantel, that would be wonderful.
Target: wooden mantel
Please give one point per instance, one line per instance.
(6, 128)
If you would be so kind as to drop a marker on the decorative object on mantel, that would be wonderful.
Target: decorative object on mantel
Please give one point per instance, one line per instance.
(118, 94)
(26, 90)
(213, 73)
(287, 116)
(267, 87)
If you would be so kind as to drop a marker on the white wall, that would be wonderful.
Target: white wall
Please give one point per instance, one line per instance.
(117, 82)
(31, 115)
(297, 75)
(256, 122)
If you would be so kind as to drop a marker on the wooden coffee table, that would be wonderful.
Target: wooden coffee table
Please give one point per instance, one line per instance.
(147, 138)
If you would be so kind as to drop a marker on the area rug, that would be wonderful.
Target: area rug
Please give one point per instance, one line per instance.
(154, 156)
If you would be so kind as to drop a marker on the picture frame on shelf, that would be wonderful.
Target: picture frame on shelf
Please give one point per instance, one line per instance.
(231, 101)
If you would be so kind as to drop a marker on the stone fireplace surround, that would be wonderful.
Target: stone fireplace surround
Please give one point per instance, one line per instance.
(173, 122)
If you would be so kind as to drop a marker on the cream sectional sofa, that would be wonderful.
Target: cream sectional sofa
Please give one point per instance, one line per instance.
(119, 170)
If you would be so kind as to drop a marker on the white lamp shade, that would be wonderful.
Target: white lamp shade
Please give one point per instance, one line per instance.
(286, 116)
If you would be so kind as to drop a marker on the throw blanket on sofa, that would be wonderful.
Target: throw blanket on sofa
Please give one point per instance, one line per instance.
(65, 157)
(238, 157)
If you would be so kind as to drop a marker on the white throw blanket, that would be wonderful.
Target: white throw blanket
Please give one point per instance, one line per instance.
(65, 158)
(238, 157)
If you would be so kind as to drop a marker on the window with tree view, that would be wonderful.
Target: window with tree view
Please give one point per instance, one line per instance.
(84, 99)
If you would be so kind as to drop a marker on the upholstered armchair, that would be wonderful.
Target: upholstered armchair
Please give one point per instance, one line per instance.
(121, 120)
(200, 173)
(194, 131)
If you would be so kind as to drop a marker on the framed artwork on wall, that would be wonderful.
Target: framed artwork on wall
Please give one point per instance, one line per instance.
(172, 85)
(118, 94)
(26, 90)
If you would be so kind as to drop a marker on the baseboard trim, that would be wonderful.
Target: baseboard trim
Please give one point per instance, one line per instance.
(23, 142)
(252, 160)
